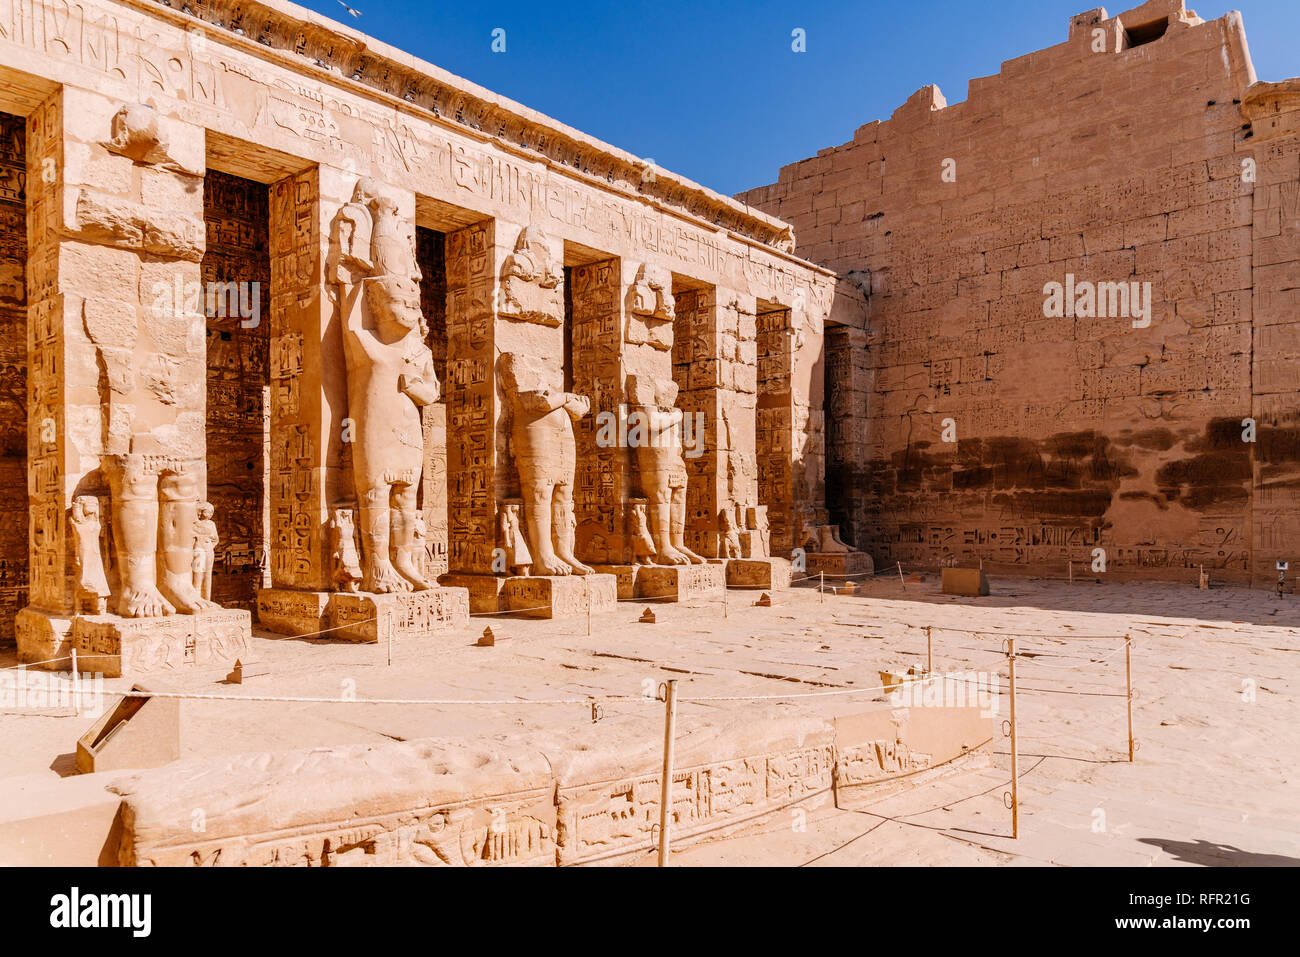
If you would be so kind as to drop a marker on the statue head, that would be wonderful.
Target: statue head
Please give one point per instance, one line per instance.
(394, 303)
(206, 511)
(341, 519)
(85, 507)
(652, 293)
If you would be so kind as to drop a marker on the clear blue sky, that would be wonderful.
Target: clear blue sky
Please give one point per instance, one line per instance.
(713, 91)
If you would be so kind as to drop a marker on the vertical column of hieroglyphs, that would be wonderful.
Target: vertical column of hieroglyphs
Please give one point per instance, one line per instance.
(695, 371)
(13, 372)
(774, 423)
(46, 433)
(307, 380)
(601, 492)
(470, 395)
(236, 275)
(846, 401)
(431, 259)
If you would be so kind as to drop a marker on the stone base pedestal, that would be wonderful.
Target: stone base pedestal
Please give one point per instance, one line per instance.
(840, 563)
(126, 647)
(764, 573)
(289, 612)
(626, 575)
(485, 591)
(681, 582)
(561, 596)
(362, 616)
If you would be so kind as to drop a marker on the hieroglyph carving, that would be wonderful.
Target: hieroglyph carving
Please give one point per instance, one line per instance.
(390, 377)
(92, 584)
(545, 454)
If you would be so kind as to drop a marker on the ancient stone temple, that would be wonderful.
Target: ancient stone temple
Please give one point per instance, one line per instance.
(320, 337)
(1083, 337)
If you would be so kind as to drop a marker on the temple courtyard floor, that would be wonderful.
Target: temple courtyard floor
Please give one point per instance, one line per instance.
(1215, 675)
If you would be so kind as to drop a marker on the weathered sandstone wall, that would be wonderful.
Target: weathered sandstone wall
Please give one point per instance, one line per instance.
(979, 426)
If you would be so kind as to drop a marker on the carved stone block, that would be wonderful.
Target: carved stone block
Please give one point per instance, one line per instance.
(682, 582)
(361, 616)
(764, 573)
(289, 612)
(561, 596)
(126, 647)
(839, 563)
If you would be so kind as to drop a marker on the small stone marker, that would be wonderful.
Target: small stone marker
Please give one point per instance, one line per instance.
(487, 639)
(850, 588)
(965, 581)
(250, 670)
(1205, 579)
(647, 616)
(764, 600)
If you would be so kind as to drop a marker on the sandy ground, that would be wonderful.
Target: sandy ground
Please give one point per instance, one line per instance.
(1215, 677)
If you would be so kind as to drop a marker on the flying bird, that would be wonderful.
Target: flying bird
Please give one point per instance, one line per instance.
(355, 13)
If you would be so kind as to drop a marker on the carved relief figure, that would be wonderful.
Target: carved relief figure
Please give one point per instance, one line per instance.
(155, 508)
(92, 584)
(545, 454)
(761, 537)
(531, 281)
(390, 377)
(651, 308)
(661, 466)
(343, 548)
(205, 549)
(643, 545)
(518, 559)
(730, 534)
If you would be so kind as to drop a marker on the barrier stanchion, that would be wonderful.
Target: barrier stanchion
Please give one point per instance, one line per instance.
(76, 694)
(929, 656)
(900, 576)
(821, 586)
(1015, 784)
(1128, 678)
(666, 785)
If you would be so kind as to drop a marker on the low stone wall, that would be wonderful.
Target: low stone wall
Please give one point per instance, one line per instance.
(439, 802)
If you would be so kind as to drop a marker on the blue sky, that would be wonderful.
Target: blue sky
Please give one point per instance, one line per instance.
(712, 90)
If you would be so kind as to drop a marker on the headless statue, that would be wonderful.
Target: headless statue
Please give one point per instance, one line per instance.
(661, 466)
(546, 455)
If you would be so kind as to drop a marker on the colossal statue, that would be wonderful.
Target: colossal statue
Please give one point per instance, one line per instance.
(390, 378)
(545, 455)
(656, 436)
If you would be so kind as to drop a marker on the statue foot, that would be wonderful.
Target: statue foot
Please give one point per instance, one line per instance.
(412, 575)
(381, 578)
(578, 567)
(691, 556)
(184, 596)
(144, 603)
(550, 565)
(671, 556)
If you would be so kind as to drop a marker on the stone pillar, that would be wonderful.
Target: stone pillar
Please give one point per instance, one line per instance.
(847, 394)
(117, 391)
(775, 430)
(513, 461)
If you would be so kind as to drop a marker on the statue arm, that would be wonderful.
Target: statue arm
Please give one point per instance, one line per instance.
(541, 401)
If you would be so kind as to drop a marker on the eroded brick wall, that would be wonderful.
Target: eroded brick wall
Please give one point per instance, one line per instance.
(1073, 432)
(13, 374)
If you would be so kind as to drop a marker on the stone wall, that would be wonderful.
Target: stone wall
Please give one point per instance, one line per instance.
(988, 427)
(13, 373)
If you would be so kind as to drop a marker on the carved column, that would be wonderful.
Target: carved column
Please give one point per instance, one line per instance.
(308, 400)
(775, 433)
(117, 390)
